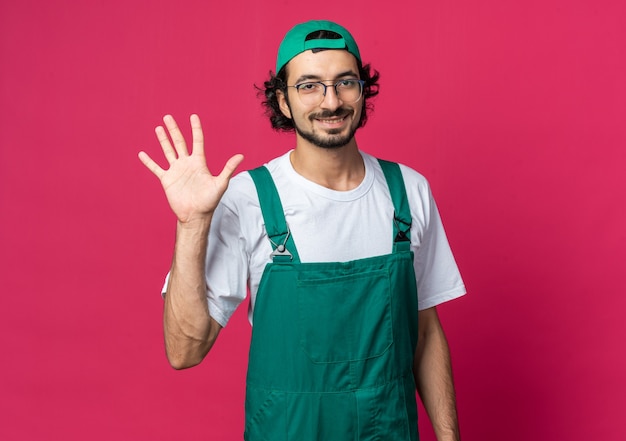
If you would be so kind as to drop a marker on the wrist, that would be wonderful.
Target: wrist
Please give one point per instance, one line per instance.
(191, 245)
(195, 224)
(192, 237)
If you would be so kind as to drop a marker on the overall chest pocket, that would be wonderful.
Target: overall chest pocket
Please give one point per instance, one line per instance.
(344, 318)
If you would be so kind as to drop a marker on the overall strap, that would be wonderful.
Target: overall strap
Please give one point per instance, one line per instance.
(402, 211)
(283, 246)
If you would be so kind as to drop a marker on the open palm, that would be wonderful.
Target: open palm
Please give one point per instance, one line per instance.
(191, 190)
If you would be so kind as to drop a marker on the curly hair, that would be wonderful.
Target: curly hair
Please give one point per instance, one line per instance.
(278, 82)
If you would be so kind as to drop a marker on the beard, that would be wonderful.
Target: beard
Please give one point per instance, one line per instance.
(331, 139)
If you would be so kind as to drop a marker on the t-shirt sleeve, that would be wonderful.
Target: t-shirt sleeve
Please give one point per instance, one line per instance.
(437, 274)
(227, 264)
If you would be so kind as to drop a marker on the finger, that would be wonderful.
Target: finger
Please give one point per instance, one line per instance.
(151, 165)
(230, 167)
(166, 146)
(176, 135)
(197, 134)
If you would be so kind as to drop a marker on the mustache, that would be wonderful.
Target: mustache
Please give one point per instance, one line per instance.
(326, 114)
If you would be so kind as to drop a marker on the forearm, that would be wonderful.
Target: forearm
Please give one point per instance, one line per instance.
(189, 330)
(433, 377)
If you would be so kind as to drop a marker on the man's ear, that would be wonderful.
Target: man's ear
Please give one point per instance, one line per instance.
(283, 104)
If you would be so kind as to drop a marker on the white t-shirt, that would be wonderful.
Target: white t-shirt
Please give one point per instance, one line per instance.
(327, 226)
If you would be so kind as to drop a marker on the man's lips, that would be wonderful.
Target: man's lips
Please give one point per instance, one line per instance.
(331, 119)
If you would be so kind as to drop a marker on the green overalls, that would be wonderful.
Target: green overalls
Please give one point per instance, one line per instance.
(332, 345)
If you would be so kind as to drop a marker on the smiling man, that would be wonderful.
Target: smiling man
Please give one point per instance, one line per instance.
(344, 256)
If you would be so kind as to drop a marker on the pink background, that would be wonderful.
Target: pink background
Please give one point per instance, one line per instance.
(515, 111)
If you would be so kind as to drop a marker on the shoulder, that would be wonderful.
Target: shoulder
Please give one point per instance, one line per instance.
(242, 194)
(414, 181)
(418, 193)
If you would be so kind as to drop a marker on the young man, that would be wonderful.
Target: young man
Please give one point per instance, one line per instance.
(334, 247)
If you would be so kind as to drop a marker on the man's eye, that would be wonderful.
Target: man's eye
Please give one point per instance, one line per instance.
(347, 84)
(308, 87)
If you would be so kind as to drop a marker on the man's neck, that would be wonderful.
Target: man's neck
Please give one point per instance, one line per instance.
(340, 168)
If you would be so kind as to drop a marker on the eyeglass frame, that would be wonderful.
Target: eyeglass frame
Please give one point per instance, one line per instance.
(334, 86)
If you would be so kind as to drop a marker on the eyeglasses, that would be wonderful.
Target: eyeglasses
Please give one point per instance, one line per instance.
(312, 93)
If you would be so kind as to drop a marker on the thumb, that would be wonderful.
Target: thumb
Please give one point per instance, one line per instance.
(231, 166)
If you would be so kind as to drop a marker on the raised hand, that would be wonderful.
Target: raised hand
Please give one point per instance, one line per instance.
(191, 190)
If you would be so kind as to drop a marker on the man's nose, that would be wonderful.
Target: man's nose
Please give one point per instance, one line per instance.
(331, 99)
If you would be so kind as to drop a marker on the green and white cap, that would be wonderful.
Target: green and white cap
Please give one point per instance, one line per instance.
(295, 41)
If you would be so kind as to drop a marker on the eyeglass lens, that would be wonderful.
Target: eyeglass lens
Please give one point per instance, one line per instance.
(313, 93)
